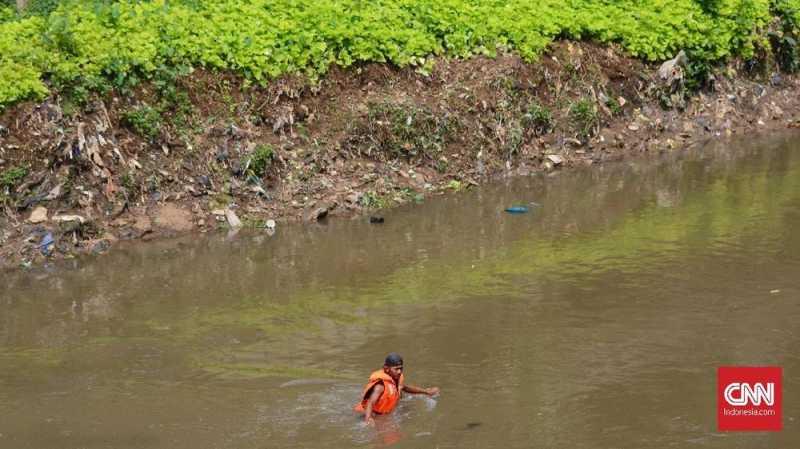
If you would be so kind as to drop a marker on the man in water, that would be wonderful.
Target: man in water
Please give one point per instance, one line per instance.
(385, 387)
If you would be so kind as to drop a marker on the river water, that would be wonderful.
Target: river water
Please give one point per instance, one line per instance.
(597, 320)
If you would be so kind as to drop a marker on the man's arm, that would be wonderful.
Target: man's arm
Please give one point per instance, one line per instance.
(433, 391)
(377, 391)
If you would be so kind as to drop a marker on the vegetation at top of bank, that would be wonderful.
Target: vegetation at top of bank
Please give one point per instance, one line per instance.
(784, 39)
(81, 45)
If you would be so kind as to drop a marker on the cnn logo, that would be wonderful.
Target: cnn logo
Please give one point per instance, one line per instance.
(743, 394)
(749, 398)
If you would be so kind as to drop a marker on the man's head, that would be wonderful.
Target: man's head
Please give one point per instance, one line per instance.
(393, 365)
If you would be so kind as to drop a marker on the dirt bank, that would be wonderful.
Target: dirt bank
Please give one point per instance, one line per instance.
(200, 151)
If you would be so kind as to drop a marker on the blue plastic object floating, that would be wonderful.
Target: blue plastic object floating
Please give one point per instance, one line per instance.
(517, 209)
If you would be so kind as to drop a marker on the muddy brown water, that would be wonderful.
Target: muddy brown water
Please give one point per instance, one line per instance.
(597, 320)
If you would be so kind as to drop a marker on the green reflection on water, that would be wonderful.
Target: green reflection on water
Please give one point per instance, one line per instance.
(22, 359)
(261, 315)
(31, 364)
(745, 204)
(730, 209)
(257, 370)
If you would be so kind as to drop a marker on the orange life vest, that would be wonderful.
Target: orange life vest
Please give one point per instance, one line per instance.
(388, 400)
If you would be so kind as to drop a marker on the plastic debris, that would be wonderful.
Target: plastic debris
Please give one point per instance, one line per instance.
(46, 244)
(68, 218)
(233, 220)
(517, 209)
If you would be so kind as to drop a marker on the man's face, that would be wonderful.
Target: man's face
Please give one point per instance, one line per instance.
(393, 371)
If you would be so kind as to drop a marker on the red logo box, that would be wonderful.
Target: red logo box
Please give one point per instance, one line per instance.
(749, 398)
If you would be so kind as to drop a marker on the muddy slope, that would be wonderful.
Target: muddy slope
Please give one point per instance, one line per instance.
(205, 151)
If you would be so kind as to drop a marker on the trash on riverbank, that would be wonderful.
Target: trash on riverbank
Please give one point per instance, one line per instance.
(46, 244)
(233, 220)
(69, 218)
(355, 158)
(555, 159)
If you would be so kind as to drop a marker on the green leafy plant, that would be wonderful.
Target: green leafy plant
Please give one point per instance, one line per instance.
(125, 42)
(697, 74)
(371, 200)
(126, 180)
(42, 7)
(614, 106)
(455, 185)
(583, 117)
(172, 97)
(144, 120)
(539, 118)
(784, 42)
(260, 160)
(7, 13)
(408, 194)
(11, 177)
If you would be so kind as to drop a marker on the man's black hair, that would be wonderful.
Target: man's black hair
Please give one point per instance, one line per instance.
(393, 359)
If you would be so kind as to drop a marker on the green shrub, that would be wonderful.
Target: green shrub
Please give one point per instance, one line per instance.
(455, 185)
(11, 177)
(7, 13)
(127, 41)
(126, 180)
(786, 51)
(539, 118)
(789, 12)
(371, 200)
(784, 42)
(144, 120)
(583, 117)
(42, 7)
(261, 160)
(614, 106)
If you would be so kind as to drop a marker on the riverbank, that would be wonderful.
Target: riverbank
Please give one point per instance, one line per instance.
(206, 150)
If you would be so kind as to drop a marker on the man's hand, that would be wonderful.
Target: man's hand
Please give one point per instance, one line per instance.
(377, 391)
(432, 391)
